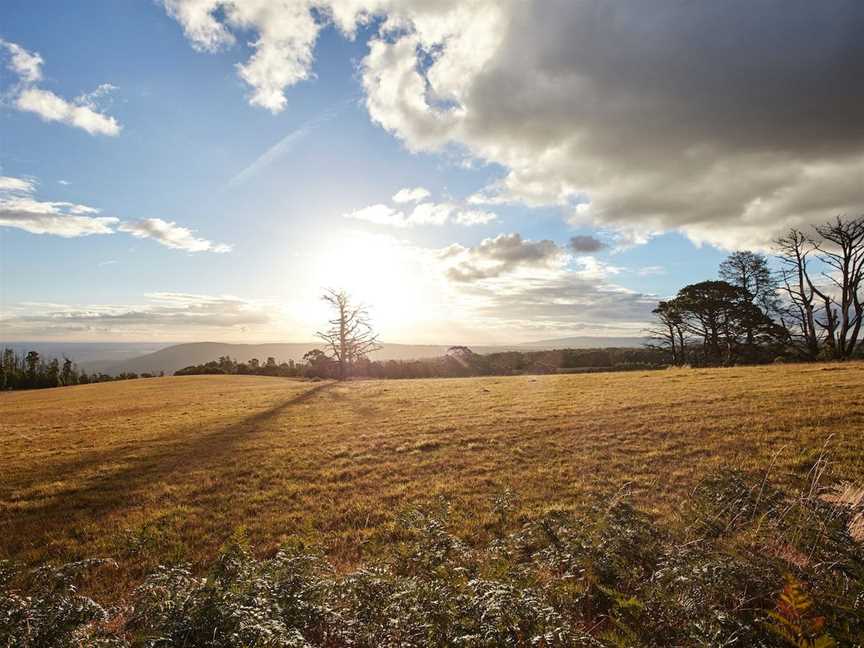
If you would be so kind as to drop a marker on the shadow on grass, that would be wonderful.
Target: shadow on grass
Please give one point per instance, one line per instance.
(122, 486)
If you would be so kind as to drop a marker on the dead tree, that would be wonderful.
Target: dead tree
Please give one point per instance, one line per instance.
(350, 336)
(841, 247)
(799, 312)
(830, 309)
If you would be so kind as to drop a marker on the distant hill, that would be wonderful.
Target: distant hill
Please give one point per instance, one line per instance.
(588, 342)
(178, 356)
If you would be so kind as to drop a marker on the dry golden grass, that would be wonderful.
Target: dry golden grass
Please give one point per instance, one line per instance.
(165, 469)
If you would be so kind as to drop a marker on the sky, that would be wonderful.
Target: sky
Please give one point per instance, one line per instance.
(474, 171)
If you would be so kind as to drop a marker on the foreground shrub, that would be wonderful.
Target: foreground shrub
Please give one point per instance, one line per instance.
(747, 564)
(51, 612)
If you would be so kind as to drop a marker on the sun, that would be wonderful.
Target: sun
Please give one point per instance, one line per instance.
(398, 282)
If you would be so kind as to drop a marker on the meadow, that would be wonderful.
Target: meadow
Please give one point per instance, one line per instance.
(165, 470)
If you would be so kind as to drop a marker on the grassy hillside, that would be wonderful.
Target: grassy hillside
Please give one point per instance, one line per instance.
(166, 469)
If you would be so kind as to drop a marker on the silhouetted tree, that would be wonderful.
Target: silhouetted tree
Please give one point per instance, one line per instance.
(841, 247)
(750, 271)
(799, 311)
(68, 373)
(32, 359)
(350, 336)
(669, 332)
(826, 310)
(722, 317)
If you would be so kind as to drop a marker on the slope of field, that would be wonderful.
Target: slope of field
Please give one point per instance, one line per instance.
(166, 469)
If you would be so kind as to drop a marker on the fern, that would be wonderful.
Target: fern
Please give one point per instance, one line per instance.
(794, 621)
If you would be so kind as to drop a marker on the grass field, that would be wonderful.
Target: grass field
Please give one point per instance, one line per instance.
(165, 469)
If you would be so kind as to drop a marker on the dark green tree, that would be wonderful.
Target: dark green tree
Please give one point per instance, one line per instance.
(722, 318)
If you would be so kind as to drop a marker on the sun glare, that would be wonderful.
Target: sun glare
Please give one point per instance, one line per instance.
(395, 280)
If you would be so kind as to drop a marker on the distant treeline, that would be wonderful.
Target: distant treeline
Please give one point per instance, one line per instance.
(254, 367)
(32, 371)
(459, 361)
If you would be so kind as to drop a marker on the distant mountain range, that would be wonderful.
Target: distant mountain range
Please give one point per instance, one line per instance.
(153, 357)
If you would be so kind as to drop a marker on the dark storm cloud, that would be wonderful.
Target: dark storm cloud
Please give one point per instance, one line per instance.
(586, 244)
(500, 255)
(729, 120)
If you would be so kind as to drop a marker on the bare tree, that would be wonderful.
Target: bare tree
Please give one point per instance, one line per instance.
(830, 309)
(799, 313)
(350, 335)
(841, 248)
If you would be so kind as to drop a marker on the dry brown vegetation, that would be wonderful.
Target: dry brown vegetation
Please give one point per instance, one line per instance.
(166, 469)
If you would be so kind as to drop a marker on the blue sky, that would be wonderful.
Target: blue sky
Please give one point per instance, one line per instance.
(288, 188)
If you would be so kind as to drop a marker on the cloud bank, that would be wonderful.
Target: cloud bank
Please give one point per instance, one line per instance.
(727, 121)
(160, 314)
(538, 288)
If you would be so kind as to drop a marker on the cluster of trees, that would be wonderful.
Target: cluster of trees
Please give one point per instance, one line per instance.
(32, 371)
(811, 307)
(253, 367)
(461, 361)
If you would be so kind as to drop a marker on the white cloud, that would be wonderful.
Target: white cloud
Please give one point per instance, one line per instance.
(286, 33)
(94, 98)
(171, 235)
(19, 209)
(589, 267)
(409, 195)
(18, 185)
(27, 65)
(380, 215)
(52, 218)
(424, 212)
(81, 113)
(429, 213)
(474, 217)
(50, 107)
